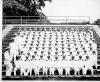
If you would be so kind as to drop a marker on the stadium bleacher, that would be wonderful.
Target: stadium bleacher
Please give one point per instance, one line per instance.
(52, 50)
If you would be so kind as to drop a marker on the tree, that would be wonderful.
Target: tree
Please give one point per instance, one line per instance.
(22, 7)
(97, 22)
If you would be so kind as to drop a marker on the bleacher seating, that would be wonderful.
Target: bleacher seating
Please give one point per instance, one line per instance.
(50, 48)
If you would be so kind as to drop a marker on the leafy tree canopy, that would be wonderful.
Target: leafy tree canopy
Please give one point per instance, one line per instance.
(22, 7)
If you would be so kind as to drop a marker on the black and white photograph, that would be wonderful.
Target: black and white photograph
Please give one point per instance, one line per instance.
(50, 40)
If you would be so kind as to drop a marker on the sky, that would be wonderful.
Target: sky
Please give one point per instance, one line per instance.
(89, 8)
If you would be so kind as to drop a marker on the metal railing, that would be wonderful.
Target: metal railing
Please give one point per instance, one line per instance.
(45, 20)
